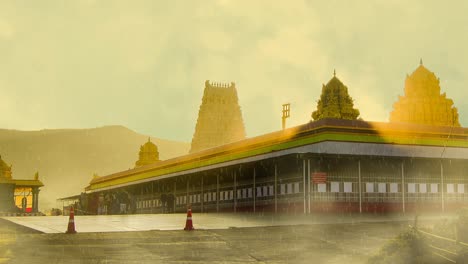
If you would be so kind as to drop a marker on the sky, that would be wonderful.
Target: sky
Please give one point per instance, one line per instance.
(143, 64)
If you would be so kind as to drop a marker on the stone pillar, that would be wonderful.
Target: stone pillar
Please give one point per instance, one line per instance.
(7, 202)
(35, 200)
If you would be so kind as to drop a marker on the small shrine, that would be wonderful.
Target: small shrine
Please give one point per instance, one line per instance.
(148, 154)
(18, 196)
(423, 103)
(335, 102)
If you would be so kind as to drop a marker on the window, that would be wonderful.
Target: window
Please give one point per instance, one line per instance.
(450, 188)
(214, 196)
(271, 191)
(322, 187)
(259, 191)
(423, 188)
(393, 187)
(265, 191)
(282, 189)
(335, 187)
(290, 188)
(250, 192)
(231, 195)
(382, 187)
(411, 187)
(434, 188)
(239, 194)
(296, 187)
(461, 188)
(369, 187)
(348, 187)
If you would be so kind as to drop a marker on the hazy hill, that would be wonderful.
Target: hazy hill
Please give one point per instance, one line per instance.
(67, 158)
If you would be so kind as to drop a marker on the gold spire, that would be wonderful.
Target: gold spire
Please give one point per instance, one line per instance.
(420, 62)
(334, 72)
(335, 102)
(148, 154)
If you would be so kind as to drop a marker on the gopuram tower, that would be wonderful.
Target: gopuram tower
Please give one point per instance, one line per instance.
(423, 103)
(219, 118)
(335, 102)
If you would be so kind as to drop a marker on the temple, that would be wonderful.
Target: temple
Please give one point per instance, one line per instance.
(335, 163)
(148, 154)
(335, 102)
(219, 119)
(423, 103)
(18, 196)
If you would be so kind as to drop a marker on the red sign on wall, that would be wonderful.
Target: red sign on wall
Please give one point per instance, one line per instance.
(319, 177)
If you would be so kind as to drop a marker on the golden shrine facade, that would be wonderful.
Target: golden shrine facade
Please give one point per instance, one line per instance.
(423, 103)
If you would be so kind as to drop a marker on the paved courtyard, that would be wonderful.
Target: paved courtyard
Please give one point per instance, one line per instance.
(219, 238)
(147, 222)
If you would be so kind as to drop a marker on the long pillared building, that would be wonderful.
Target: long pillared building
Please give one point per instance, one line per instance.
(326, 165)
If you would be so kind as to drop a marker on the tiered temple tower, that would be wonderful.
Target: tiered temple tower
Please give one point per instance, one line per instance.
(423, 103)
(148, 154)
(335, 102)
(219, 118)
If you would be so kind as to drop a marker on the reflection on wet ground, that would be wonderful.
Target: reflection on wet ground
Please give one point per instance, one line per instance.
(322, 242)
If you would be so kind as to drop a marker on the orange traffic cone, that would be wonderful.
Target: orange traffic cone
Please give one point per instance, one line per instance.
(71, 222)
(188, 223)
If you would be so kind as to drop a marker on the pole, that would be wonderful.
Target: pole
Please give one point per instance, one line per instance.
(202, 195)
(175, 191)
(276, 183)
(403, 202)
(254, 190)
(360, 186)
(217, 193)
(308, 176)
(235, 191)
(304, 185)
(187, 191)
(442, 185)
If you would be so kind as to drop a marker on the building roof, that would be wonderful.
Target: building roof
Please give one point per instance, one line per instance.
(293, 139)
(28, 183)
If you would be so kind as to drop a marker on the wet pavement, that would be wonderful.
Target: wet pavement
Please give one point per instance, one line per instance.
(324, 240)
(147, 222)
(281, 244)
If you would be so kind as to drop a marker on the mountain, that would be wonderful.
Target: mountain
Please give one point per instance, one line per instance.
(67, 158)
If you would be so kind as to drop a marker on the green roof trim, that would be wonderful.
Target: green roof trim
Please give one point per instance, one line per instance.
(284, 143)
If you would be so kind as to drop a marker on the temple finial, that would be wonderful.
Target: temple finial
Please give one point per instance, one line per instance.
(420, 62)
(149, 139)
(334, 72)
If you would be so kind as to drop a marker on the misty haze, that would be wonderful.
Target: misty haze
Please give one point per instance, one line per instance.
(233, 132)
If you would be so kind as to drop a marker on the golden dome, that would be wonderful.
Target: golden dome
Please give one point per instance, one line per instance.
(423, 103)
(148, 154)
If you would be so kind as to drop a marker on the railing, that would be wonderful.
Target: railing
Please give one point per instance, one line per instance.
(444, 253)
